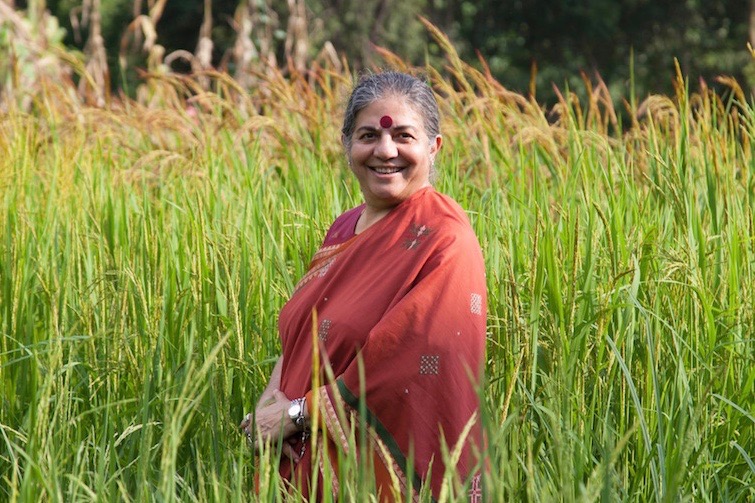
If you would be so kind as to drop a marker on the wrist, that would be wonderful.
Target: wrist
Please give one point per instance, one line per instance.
(298, 414)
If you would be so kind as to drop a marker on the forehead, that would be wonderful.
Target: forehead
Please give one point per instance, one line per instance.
(399, 109)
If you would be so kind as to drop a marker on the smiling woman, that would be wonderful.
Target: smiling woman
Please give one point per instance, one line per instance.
(397, 293)
(391, 155)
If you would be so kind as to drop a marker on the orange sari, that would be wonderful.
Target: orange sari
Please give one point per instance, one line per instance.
(400, 313)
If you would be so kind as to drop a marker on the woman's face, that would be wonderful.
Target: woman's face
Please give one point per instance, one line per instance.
(393, 162)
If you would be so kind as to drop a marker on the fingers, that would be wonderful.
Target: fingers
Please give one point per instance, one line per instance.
(256, 442)
(269, 422)
(290, 453)
(246, 422)
(246, 427)
(251, 440)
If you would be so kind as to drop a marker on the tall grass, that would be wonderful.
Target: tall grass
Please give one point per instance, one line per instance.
(147, 249)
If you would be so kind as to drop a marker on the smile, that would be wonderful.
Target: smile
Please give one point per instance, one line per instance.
(386, 170)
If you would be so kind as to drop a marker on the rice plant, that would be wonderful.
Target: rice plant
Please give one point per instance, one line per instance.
(148, 246)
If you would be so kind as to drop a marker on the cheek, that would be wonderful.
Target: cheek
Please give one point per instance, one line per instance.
(354, 167)
(357, 155)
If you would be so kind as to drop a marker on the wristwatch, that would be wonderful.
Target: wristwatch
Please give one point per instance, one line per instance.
(296, 413)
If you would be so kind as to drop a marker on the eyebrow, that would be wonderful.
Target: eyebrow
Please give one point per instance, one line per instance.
(401, 127)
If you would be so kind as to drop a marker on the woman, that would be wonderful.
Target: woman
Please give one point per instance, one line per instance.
(397, 293)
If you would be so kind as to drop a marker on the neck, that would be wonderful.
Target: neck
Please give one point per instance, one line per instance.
(370, 216)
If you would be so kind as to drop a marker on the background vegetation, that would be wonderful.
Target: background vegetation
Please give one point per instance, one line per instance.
(149, 242)
(529, 46)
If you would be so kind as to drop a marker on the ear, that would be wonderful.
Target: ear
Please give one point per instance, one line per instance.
(435, 145)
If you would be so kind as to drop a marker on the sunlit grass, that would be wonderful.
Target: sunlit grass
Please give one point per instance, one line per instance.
(146, 251)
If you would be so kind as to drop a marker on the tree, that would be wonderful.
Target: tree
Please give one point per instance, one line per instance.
(600, 36)
(558, 39)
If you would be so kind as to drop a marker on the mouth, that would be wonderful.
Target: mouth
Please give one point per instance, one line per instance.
(385, 170)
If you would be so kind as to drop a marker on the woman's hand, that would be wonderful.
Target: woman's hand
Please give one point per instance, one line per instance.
(272, 424)
(272, 418)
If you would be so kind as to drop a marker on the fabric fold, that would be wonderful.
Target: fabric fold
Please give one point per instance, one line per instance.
(400, 312)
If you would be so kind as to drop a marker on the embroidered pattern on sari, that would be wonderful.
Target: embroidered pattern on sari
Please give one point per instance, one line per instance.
(321, 262)
(335, 424)
(406, 298)
(323, 330)
(475, 303)
(415, 235)
(398, 478)
(429, 364)
(327, 466)
(475, 492)
(332, 422)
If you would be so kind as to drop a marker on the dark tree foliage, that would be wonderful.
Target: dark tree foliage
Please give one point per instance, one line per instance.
(179, 25)
(354, 26)
(603, 36)
(625, 42)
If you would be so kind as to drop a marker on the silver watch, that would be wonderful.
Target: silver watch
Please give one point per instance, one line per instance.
(296, 413)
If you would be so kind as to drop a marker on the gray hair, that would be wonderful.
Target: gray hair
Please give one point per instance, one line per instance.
(372, 88)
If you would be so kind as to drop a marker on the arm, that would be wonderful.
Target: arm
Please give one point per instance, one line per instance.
(418, 371)
(270, 421)
(273, 385)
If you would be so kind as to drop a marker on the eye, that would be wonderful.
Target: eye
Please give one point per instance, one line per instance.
(368, 135)
(405, 136)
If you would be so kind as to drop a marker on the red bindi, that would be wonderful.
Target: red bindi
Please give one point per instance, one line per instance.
(386, 121)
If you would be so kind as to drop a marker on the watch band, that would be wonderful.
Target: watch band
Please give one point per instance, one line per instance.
(296, 413)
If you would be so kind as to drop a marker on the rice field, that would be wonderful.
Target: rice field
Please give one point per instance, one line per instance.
(147, 247)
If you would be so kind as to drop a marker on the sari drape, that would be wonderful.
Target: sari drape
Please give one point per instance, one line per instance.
(400, 314)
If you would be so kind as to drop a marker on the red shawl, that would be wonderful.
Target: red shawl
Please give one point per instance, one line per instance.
(407, 297)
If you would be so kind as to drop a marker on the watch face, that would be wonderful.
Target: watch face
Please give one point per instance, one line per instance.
(294, 410)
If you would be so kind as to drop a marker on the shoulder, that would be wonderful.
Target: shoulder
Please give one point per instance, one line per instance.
(442, 234)
(441, 206)
(445, 223)
(443, 213)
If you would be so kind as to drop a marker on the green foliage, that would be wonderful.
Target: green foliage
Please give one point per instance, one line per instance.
(602, 36)
(632, 44)
(146, 251)
(354, 26)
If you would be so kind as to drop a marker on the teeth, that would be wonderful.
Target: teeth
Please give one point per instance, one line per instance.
(386, 171)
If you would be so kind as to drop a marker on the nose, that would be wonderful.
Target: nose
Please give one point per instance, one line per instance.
(386, 147)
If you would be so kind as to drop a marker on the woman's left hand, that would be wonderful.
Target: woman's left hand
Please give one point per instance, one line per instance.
(272, 418)
(272, 423)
